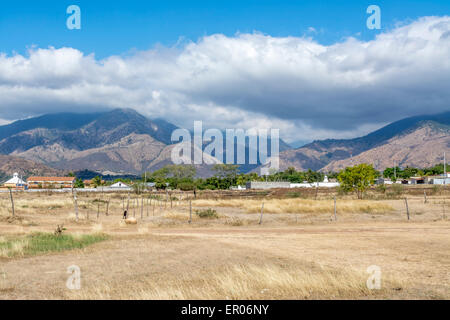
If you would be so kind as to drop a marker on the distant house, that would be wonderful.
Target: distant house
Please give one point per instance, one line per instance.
(325, 184)
(441, 179)
(15, 183)
(387, 181)
(50, 182)
(418, 180)
(119, 185)
(383, 181)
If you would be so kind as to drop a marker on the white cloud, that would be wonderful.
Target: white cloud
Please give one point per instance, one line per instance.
(3, 122)
(306, 89)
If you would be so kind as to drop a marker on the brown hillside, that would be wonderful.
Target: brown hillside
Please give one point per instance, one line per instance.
(11, 164)
(422, 147)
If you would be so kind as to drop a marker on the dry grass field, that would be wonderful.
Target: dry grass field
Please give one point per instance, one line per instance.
(298, 251)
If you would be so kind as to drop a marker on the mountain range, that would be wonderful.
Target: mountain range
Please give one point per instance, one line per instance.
(123, 141)
(416, 141)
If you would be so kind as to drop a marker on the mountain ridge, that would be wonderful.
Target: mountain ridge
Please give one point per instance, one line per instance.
(126, 142)
(317, 155)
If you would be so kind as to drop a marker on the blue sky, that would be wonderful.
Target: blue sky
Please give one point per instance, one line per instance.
(310, 68)
(120, 27)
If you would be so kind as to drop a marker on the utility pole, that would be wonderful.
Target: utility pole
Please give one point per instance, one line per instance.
(395, 172)
(445, 168)
(145, 180)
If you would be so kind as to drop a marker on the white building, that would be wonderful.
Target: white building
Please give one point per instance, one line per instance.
(119, 185)
(325, 184)
(15, 182)
(267, 185)
(441, 180)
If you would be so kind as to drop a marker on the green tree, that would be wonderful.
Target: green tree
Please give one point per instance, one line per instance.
(79, 183)
(357, 178)
(97, 181)
(227, 174)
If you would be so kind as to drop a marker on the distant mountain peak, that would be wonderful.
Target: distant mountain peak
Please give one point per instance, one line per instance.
(318, 154)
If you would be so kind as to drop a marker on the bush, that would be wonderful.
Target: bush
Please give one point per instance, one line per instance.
(293, 194)
(396, 190)
(381, 188)
(435, 189)
(208, 213)
(186, 186)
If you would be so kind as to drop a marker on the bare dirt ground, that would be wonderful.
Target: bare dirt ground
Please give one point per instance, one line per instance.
(290, 256)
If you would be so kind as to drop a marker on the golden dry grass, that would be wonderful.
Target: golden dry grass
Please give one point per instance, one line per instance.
(164, 257)
(247, 282)
(16, 248)
(299, 205)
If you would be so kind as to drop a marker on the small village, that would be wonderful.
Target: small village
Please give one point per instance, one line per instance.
(35, 183)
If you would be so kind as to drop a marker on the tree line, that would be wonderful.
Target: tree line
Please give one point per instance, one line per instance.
(183, 177)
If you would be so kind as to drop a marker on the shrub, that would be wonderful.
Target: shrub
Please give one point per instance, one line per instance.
(208, 213)
(186, 186)
(381, 188)
(293, 194)
(396, 190)
(435, 189)
(235, 222)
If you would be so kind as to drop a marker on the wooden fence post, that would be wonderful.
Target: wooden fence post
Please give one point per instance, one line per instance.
(407, 208)
(128, 202)
(424, 197)
(98, 208)
(262, 212)
(107, 207)
(12, 202)
(335, 217)
(142, 208)
(75, 204)
(190, 211)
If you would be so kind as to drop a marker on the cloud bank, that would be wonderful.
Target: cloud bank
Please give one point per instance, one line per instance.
(308, 90)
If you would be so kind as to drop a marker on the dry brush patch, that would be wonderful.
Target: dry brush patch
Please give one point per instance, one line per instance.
(300, 206)
(269, 281)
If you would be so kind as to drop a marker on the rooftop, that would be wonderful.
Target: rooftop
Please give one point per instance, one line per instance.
(51, 179)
